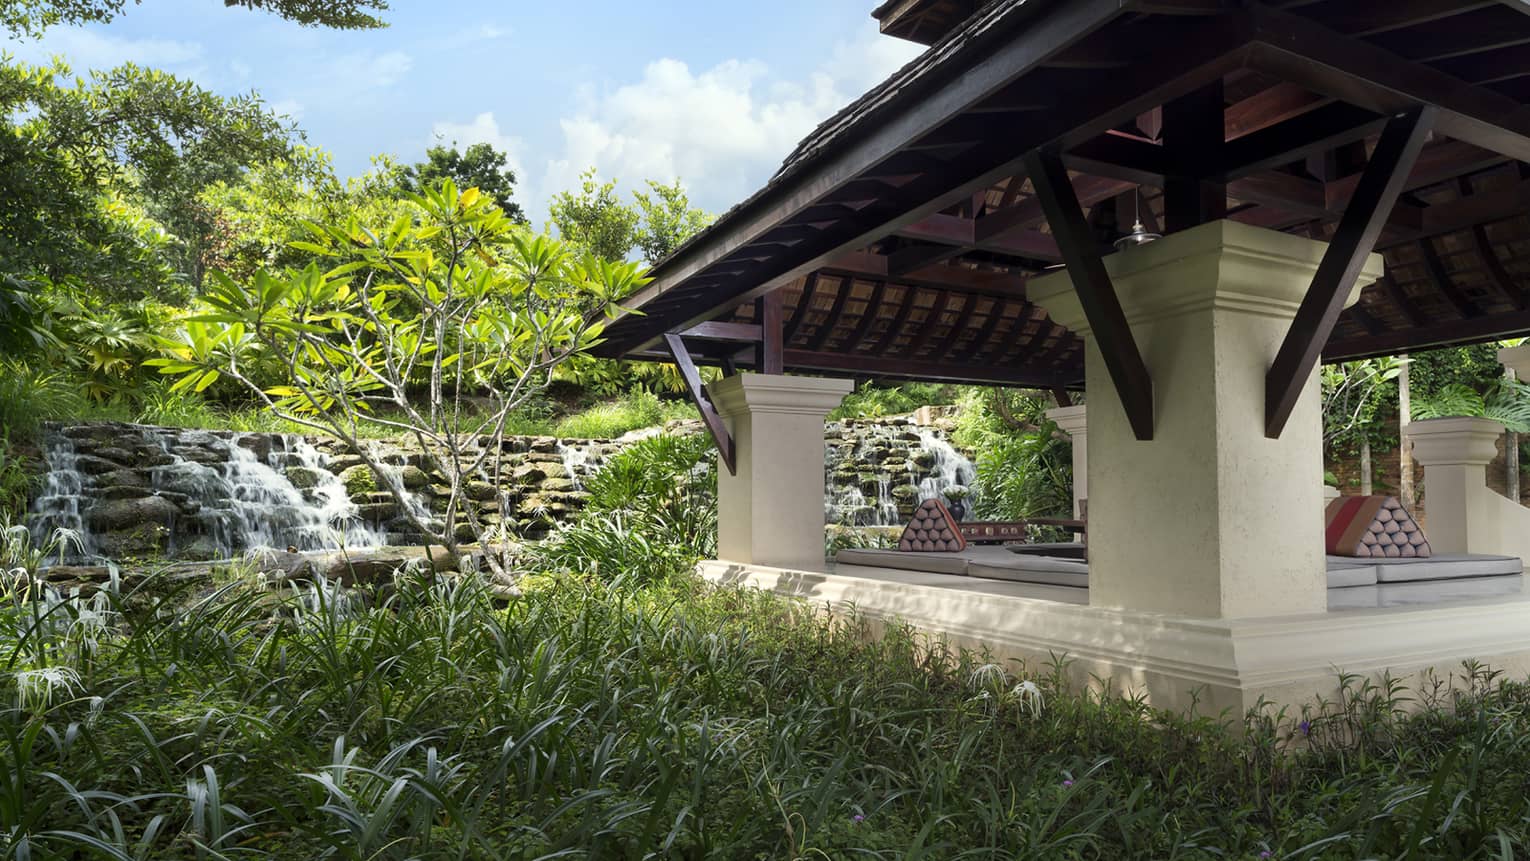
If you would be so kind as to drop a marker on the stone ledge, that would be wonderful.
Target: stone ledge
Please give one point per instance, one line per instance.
(1217, 663)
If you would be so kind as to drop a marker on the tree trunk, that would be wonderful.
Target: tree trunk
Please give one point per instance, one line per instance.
(1365, 467)
(1511, 454)
(1405, 492)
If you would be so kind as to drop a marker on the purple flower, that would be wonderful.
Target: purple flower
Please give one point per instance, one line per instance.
(1266, 854)
(1067, 783)
(1306, 727)
(857, 818)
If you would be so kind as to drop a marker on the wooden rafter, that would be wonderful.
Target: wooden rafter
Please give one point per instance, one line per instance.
(985, 334)
(1342, 263)
(1442, 281)
(943, 349)
(769, 355)
(1096, 293)
(905, 308)
(868, 315)
(825, 329)
(804, 307)
(709, 416)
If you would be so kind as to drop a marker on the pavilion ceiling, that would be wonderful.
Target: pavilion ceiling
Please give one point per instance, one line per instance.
(899, 235)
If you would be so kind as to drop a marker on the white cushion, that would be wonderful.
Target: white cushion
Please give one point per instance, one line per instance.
(1047, 570)
(1444, 566)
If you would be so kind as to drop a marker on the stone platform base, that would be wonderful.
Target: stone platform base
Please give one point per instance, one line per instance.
(1216, 664)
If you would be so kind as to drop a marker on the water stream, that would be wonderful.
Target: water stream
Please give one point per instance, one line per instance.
(876, 474)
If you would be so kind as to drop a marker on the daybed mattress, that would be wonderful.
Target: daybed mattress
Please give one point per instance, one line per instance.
(997, 562)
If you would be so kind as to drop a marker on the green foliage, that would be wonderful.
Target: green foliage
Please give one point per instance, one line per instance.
(652, 512)
(450, 317)
(30, 395)
(1024, 463)
(601, 720)
(17, 481)
(32, 17)
(873, 400)
(1475, 366)
(635, 411)
(595, 218)
(1355, 395)
(1506, 401)
(481, 166)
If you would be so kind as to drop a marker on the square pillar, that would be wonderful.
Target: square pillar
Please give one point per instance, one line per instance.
(1074, 421)
(1516, 359)
(771, 511)
(1210, 518)
(1459, 506)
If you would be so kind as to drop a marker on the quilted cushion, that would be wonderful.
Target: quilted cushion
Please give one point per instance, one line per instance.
(933, 530)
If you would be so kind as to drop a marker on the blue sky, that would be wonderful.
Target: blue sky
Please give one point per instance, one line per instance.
(714, 93)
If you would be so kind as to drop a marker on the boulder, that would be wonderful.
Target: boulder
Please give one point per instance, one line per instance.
(529, 473)
(414, 478)
(119, 514)
(258, 444)
(480, 491)
(123, 491)
(358, 479)
(303, 478)
(92, 465)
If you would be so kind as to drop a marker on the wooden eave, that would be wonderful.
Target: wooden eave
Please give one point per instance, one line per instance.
(919, 189)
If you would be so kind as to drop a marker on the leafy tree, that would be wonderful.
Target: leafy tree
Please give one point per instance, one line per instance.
(32, 17)
(449, 318)
(84, 168)
(482, 167)
(1353, 395)
(594, 218)
(655, 224)
(666, 220)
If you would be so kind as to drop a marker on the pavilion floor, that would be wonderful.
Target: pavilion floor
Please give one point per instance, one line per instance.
(1215, 663)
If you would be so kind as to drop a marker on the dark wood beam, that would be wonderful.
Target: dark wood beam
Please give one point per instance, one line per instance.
(1315, 131)
(768, 354)
(1369, 17)
(1405, 304)
(920, 369)
(1026, 214)
(1370, 324)
(1486, 28)
(1340, 268)
(961, 232)
(1268, 107)
(915, 257)
(985, 334)
(826, 328)
(1489, 327)
(1194, 131)
(1505, 282)
(1444, 283)
(927, 326)
(1095, 291)
(942, 350)
(804, 307)
(716, 331)
(1353, 70)
(715, 425)
(890, 334)
(869, 315)
(1467, 212)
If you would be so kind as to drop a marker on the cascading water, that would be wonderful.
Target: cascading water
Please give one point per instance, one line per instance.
(875, 473)
(577, 462)
(213, 495)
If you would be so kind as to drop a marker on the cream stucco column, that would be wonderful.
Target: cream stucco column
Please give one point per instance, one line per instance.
(1209, 518)
(1462, 515)
(1074, 421)
(771, 512)
(1516, 359)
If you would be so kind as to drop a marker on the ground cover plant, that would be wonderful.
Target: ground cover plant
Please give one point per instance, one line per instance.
(607, 717)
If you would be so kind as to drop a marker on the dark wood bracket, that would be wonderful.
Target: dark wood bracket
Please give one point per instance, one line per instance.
(1375, 195)
(709, 416)
(1081, 253)
(769, 355)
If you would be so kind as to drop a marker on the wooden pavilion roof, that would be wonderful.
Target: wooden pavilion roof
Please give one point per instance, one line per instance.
(898, 237)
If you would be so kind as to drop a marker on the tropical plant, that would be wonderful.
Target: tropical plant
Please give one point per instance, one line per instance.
(1353, 393)
(450, 320)
(1506, 402)
(1024, 463)
(480, 166)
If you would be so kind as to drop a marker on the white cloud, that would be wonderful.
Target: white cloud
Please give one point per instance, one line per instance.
(87, 49)
(483, 128)
(722, 130)
(485, 32)
(290, 108)
(366, 71)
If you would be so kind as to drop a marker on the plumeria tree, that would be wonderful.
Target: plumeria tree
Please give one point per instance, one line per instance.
(437, 325)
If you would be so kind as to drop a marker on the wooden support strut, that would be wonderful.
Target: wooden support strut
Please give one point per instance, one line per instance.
(709, 416)
(1095, 291)
(1375, 195)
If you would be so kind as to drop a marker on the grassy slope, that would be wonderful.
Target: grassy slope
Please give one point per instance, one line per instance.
(616, 720)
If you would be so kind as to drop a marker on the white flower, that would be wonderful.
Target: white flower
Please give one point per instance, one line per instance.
(987, 676)
(1029, 696)
(36, 687)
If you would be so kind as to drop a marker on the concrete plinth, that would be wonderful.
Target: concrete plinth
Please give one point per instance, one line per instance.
(1465, 516)
(1209, 519)
(771, 512)
(1074, 421)
(1516, 359)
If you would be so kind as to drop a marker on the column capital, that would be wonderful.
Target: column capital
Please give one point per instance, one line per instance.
(1072, 420)
(1457, 441)
(777, 393)
(1516, 359)
(1222, 265)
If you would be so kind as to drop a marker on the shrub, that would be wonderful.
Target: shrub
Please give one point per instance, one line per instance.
(652, 511)
(633, 411)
